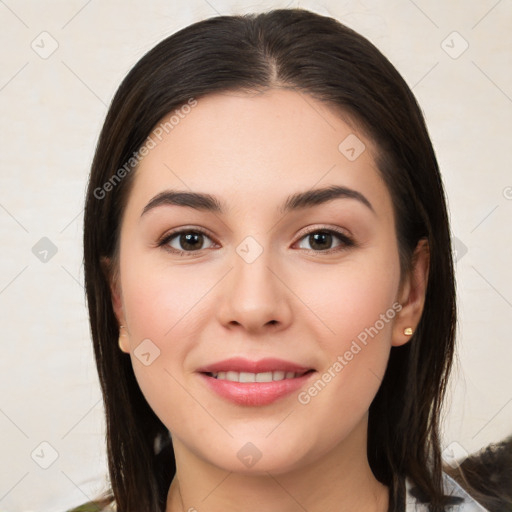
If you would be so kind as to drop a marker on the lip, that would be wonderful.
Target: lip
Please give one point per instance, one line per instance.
(240, 364)
(254, 393)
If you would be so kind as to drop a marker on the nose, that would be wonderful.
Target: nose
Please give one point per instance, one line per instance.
(254, 296)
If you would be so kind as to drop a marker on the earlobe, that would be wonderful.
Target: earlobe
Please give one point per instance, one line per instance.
(115, 289)
(412, 295)
(112, 278)
(123, 340)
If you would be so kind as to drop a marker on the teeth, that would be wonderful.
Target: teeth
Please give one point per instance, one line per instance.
(233, 376)
(254, 377)
(264, 377)
(278, 375)
(246, 377)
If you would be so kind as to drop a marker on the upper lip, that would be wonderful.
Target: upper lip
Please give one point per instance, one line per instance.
(240, 364)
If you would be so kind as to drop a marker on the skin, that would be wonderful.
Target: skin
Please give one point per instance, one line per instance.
(252, 151)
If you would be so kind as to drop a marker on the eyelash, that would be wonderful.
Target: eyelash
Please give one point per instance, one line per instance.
(346, 241)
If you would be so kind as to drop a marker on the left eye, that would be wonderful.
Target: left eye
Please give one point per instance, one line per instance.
(321, 240)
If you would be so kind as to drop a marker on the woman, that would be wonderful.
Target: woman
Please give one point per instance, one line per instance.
(269, 276)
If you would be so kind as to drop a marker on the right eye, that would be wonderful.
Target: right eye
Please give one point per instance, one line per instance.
(187, 241)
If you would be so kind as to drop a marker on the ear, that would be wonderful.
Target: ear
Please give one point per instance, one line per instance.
(112, 277)
(412, 294)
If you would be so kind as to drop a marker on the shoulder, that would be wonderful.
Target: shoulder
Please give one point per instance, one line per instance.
(96, 506)
(461, 500)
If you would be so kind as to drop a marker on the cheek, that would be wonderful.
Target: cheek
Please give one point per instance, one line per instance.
(163, 307)
(357, 308)
(159, 300)
(352, 297)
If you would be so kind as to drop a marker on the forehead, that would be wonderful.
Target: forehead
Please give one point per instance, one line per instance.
(257, 147)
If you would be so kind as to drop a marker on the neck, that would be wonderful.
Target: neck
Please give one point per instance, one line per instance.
(339, 480)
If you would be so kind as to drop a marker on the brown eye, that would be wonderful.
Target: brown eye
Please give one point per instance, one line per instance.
(322, 240)
(185, 241)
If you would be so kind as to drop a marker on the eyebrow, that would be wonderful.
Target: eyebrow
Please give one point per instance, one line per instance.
(297, 201)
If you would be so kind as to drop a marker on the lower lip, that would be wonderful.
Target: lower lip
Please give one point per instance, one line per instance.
(255, 393)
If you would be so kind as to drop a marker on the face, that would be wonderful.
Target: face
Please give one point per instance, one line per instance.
(262, 287)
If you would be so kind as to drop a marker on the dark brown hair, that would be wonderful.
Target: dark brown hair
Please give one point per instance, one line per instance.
(320, 57)
(487, 476)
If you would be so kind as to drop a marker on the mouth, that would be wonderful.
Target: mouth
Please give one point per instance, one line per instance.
(271, 376)
(254, 383)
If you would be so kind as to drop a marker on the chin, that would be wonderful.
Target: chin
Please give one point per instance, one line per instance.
(259, 456)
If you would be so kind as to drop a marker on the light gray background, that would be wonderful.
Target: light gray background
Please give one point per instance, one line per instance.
(52, 110)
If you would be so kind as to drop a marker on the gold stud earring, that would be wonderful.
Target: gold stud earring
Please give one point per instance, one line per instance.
(408, 331)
